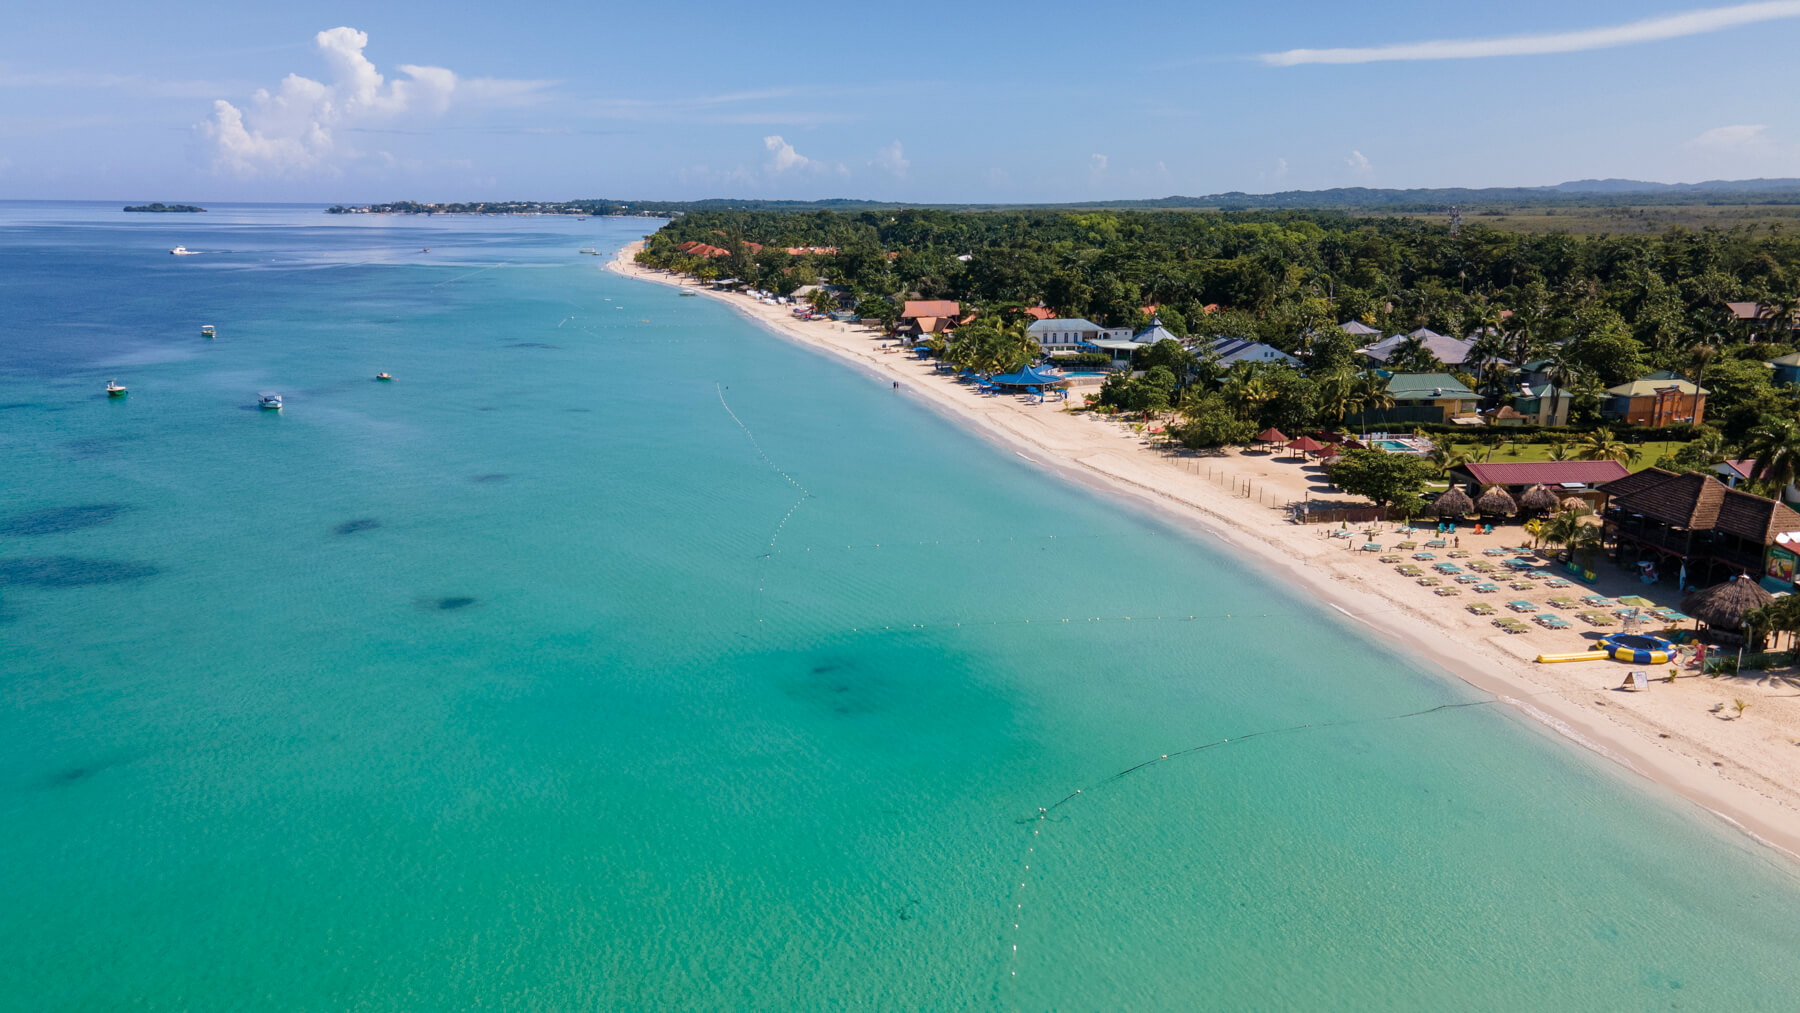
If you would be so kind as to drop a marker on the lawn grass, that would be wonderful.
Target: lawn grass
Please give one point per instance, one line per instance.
(1506, 453)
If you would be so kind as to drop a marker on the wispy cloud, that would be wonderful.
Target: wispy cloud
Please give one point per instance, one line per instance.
(786, 159)
(68, 80)
(1358, 163)
(293, 130)
(892, 159)
(1671, 26)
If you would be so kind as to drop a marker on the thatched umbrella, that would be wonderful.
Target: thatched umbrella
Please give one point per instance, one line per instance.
(1723, 606)
(1453, 503)
(1538, 499)
(1497, 502)
(1575, 503)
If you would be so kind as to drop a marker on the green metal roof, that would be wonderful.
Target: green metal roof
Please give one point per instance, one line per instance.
(1426, 387)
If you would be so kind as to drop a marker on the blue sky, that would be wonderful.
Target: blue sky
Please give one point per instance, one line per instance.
(925, 101)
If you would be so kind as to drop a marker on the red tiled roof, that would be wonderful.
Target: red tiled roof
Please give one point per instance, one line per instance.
(1546, 472)
(931, 308)
(1040, 313)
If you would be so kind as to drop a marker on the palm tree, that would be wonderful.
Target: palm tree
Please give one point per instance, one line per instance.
(1445, 456)
(1570, 530)
(1372, 396)
(1559, 450)
(1602, 445)
(1775, 446)
(1700, 356)
(1337, 395)
(1246, 390)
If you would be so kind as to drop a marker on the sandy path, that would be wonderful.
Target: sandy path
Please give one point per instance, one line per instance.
(1746, 770)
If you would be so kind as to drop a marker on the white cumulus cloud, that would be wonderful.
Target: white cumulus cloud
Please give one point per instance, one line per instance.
(892, 159)
(1358, 163)
(294, 129)
(1736, 137)
(1098, 161)
(786, 159)
(1668, 26)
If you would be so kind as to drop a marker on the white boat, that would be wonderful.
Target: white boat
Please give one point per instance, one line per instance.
(591, 250)
(269, 399)
(182, 251)
(115, 389)
(207, 331)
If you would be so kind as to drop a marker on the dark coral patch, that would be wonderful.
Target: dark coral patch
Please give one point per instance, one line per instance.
(56, 520)
(352, 527)
(447, 604)
(71, 571)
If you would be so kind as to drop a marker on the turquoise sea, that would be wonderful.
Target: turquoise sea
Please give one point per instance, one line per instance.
(620, 656)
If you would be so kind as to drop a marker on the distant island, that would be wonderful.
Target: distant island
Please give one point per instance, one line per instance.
(583, 208)
(159, 207)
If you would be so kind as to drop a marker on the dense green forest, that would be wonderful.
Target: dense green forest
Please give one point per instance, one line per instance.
(1603, 310)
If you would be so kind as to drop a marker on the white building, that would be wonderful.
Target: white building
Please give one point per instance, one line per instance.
(1231, 351)
(1069, 334)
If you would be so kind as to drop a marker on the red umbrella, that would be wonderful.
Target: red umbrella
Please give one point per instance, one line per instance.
(1306, 445)
(1271, 435)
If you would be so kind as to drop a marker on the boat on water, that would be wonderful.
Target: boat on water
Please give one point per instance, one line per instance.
(269, 399)
(207, 331)
(383, 377)
(182, 251)
(690, 295)
(115, 389)
(590, 250)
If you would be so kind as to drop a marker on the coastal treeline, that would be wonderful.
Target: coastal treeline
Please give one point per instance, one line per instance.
(1596, 310)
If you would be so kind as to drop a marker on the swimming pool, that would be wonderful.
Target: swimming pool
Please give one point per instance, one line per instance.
(1393, 446)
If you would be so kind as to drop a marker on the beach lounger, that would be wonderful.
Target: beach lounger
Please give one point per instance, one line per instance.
(1481, 608)
(1429, 582)
(1493, 552)
(1482, 566)
(1511, 625)
(1561, 603)
(1595, 618)
(1446, 567)
(1467, 578)
(1521, 606)
(1521, 585)
(1557, 582)
(1486, 588)
(1459, 554)
(1672, 616)
(1437, 543)
(1596, 600)
(1446, 592)
(1424, 555)
(1370, 547)
(1390, 559)
(1550, 622)
(1407, 546)
(1408, 570)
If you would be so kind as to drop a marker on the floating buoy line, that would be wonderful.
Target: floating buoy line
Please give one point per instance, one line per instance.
(789, 479)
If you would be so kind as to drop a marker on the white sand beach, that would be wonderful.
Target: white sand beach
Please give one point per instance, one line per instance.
(1686, 735)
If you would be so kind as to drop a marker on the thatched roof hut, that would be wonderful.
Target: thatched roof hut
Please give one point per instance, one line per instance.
(1497, 502)
(1538, 499)
(1723, 606)
(1577, 504)
(1453, 503)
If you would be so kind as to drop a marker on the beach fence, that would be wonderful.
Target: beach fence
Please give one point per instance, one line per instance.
(1240, 486)
(1339, 515)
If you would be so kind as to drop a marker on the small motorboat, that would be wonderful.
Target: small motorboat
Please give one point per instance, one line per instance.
(207, 331)
(182, 251)
(115, 389)
(269, 399)
(591, 251)
(384, 377)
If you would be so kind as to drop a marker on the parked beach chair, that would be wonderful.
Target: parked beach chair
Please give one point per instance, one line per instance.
(1551, 622)
(1520, 585)
(1557, 582)
(1493, 551)
(1407, 546)
(1521, 606)
(1424, 555)
(1564, 604)
(1370, 547)
(1428, 581)
(1596, 600)
(1486, 588)
(1459, 554)
(1467, 578)
(1482, 566)
(1447, 592)
(1511, 625)
(1595, 618)
(1437, 543)
(1446, 567)
(1391, 559)
(1408, 570)
(1481, 608)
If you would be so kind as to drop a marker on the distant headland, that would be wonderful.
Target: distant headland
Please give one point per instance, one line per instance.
(580, 208)
(161, 208)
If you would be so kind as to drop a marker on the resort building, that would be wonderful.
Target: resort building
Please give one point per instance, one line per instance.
(929, 316)
(1155, 332)
(1447, 350)
(1769, 317)
(1069, 334)
(1231, 351)
(1358, 329)
(1541, 404)
(1565, 478)
(1660, 399)
(1787, 369)
(1424, 397)
(1733, 472)
(1697, 525)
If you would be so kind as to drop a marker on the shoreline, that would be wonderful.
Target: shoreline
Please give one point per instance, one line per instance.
(1657, 734)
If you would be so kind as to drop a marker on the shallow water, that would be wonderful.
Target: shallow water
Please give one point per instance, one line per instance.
(620, 655)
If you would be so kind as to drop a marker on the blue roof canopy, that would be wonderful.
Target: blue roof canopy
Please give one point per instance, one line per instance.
(1031, 376)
